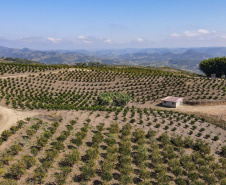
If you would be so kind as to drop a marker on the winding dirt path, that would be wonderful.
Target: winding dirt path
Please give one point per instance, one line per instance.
(9, 117)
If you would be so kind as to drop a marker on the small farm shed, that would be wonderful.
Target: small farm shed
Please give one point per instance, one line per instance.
(171, 101)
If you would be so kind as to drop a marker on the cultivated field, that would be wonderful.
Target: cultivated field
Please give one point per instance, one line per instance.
(65, 137)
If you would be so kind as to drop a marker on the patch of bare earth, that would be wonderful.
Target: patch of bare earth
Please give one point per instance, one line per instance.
(218, 111)
(9, 117)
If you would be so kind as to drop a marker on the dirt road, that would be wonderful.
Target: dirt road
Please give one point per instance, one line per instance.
(217, 110)
(9, 117)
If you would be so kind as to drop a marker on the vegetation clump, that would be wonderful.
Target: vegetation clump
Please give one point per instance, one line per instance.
(213, 65)
(113, 98)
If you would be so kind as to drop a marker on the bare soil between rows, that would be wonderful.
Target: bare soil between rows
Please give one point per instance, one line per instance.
(9, 117)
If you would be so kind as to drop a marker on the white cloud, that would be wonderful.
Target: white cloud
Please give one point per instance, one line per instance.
(203, 31)
(140, 40)
(195, 33)
(175, 35)
(87, 41)
(191, 33)
(81, 37)
(54, 40)
(109, 41)
(23, 39)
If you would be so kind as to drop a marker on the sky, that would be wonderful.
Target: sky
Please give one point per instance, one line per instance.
(112, 24)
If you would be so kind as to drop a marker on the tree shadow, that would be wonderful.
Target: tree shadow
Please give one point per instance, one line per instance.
(94, 131)
(97, 182)
(71, 147)
(98, 172)
(89, 144)
(136, 171)
(77, 178)
(104, 155)
(116, 176)
(136, 180)
(103, 147)
(50, 183)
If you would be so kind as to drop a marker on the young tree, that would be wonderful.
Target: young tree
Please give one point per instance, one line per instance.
(17, 170)
(87, 171)
(28, 160)
(71, 158)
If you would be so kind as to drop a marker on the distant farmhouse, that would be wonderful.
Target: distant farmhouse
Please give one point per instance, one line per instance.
(171, 101)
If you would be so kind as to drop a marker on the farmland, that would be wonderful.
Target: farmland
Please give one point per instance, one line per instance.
(73, 139)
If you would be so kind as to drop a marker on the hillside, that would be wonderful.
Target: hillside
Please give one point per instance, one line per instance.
(181, 58)
(17, 61)
(58, 132)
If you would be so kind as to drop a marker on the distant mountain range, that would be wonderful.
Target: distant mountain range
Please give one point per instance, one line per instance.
(181, 58)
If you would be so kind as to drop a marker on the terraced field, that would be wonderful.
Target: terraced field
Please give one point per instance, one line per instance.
(72, 139)
(78, 88)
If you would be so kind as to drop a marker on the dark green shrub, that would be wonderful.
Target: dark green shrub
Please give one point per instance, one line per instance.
(213, 65)
(220, 174)
(77, 141)
(17, 170)
(100, 127)
(157, 125)
(110, 141)
(5, 135)
(193, 176)
(223, 151)
(87, 172)
(15, 149)
(180, 181)
(177, 171)
(126, 129)
(60, 178)
(28, 160)
(106, 176)
(174, 129)
(34, 151)
(177, 141)
(188, 142)
(132, 121)
(216, 138)
(201, 146)
(39, 174)
(113, 98)
(223, 181)
(98, 137)
(30, 132)
(151, 133)
(58, 145)
(114, 128)
(126, 179)
(70, 159)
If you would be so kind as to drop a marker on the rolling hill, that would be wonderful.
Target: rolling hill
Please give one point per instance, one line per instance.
(181, 58)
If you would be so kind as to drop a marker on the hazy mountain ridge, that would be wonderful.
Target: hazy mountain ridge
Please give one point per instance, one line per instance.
(182, 58)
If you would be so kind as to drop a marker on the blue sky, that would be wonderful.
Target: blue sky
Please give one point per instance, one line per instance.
(112, 24)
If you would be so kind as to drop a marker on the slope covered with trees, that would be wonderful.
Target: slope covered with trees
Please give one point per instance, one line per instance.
(106, 131)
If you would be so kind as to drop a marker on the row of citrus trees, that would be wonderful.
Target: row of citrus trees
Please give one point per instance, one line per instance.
(131, 154)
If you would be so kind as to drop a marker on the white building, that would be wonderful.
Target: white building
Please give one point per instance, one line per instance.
(171, 101)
